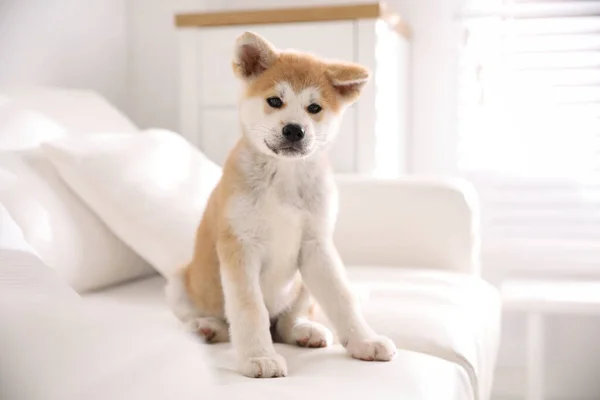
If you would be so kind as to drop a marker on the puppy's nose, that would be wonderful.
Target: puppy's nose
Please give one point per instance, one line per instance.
(293, 132)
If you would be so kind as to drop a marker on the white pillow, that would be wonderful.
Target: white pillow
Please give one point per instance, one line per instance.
(21, 268)
(11, 235)
(59, 226)
(21, 128)
(78, 111)
(55, 222)
(150, 188)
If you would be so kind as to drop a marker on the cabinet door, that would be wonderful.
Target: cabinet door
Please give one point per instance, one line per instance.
(217, 84)
(221, 129)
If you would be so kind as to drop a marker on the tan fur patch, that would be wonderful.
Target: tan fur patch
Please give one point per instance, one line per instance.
(202, 275)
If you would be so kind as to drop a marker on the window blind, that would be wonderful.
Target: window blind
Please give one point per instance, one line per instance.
(529, 131)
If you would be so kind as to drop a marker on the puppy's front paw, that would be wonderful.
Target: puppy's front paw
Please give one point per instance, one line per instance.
(264, 367)
(378, 348)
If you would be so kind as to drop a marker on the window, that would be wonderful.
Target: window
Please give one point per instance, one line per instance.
(529, 131)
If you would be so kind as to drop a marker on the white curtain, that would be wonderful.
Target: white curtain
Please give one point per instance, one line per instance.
(529, 131)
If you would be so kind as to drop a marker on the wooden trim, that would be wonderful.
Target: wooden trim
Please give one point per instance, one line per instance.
(290, 15)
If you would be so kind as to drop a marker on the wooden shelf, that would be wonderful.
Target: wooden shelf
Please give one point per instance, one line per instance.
(291, 15)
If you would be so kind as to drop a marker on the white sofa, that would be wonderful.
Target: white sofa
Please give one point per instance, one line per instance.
(411, 247)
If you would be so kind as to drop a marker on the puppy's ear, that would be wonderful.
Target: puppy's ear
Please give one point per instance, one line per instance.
(348, 79)
(252, 55)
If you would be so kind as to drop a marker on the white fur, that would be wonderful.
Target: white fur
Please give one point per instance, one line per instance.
(275, 230)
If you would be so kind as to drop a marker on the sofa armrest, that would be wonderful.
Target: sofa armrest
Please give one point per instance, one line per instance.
(408, 222)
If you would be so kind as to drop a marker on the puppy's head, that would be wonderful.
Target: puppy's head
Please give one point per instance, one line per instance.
(292, 102)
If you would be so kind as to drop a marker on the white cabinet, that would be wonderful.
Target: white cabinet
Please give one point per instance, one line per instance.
(373, 131)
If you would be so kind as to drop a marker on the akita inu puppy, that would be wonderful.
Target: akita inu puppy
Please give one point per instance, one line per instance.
(264, 245)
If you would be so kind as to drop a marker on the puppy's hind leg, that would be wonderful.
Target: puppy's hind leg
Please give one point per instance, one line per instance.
(294, 326)
(211, 329)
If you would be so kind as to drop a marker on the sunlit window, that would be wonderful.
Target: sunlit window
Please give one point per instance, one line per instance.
(529, 129)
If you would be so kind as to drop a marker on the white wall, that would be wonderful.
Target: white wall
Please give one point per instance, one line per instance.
(154, 56)
(68, 43)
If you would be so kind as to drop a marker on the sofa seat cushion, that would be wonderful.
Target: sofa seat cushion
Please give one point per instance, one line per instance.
(331, 374)
(445, 324)
(454, 316)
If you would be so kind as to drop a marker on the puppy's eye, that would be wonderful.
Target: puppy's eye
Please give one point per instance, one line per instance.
(314, 108)
(275, 102)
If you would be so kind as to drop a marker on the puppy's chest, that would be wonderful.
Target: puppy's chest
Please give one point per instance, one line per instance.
(273, 213)
(283, 222)
(280, 242)
(272, 218)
